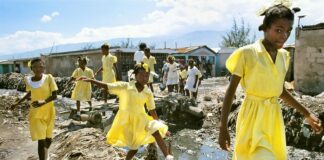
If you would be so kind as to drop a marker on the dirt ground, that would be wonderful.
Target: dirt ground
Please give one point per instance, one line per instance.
(88, 143)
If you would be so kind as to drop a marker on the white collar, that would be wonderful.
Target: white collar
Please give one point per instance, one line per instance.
(36, 84)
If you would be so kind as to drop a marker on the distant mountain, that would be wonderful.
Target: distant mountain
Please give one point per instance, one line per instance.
(209, 38)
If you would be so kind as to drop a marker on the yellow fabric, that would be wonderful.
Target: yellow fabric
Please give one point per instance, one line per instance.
(108, 73)
(132, 126)
(199, 74)
(151, 62)
(41, 119)
(82, 90)
(184, 74)
(260, 132)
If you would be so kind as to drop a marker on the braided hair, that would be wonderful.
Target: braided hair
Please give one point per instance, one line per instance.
(275, 12)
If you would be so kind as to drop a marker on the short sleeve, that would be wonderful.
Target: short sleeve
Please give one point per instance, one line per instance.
(91, 73)
(117, 87)
(150, 105)
(52, 84)
(114, 59)
(27, 85)
(235, 63)
(75, 73)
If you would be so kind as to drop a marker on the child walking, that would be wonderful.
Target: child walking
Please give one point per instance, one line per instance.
(150, 61)
(41, 88)
(260, 68)
(82, 90)
(172, 75)
(108, 68)
(132, 126)
(192, 80)
(183, 77)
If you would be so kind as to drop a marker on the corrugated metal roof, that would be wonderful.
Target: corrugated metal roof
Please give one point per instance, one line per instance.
(226, 50)
(313, 27)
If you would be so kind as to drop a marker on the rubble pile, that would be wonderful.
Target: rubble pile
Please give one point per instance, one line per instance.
(12, 81)
(19, 113)
(179, 111)
(86, 143)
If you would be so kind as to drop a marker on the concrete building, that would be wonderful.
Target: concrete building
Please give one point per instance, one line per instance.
(64, 63)
(309, 59)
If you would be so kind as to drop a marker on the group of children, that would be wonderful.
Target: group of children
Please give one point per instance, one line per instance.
(259, 67)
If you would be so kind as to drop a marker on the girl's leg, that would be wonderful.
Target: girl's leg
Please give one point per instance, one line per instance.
(105, 94)
(176, 88)
(169, 88)
(41, 149)
(187, 93)
(130, 154)
(194, 94)
(161, 143)
(78, 106)
(48, 142)
(90, 104)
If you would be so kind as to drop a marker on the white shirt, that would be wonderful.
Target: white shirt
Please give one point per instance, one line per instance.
(192, 73)
(173, 71)
(138, 56)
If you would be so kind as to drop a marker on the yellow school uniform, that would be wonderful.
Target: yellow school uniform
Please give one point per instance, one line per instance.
(82, 90)
(41, 119)
(150, 62)
(132, 126)
(183, 74)
(260, 132)
(108, 73)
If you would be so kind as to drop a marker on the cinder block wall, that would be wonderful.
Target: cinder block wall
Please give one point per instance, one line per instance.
(309, 61)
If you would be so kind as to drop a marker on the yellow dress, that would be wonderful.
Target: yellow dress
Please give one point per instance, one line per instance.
(41, 119)
(260, 132)
(184, 74)
(82, 90)
(151, 62)
(108, 73)
(132, 126)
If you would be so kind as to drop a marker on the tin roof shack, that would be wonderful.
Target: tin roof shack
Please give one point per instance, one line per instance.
(15, 65)
(309, 59)
(201, 54)
(64, 63)
(221, 58)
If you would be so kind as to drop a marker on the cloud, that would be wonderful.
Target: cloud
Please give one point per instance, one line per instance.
(47, 18)
(169, 17)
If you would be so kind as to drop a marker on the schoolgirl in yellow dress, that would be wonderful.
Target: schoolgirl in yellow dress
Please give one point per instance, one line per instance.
(260, 68)
(82, 90)
(132, 126)
(150, 61)
(109, 68)
(41, 88)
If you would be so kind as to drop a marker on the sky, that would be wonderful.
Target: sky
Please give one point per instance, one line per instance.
(27, 25)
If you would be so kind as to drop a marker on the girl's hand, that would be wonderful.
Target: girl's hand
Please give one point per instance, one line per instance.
(168, 133)
(314, 122)
(224, 139)
(39, 103)
(84, 79)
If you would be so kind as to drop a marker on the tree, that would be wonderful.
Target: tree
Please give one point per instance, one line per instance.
(238, 36)
(87, 46)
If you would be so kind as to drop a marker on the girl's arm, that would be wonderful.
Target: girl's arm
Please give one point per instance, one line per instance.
(117, 75)
(154, 114)
(99, 70)
(224, 138)
(310, 117)
(47, 100)
(26, 96)
(93, 81)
